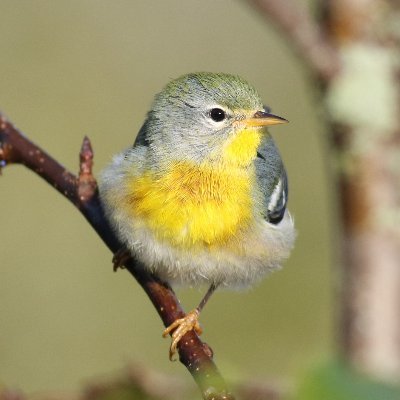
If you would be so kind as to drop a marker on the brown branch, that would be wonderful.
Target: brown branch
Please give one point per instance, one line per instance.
(303, 34)
(82, 191)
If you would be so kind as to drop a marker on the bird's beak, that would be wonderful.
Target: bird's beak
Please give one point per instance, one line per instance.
(262, 118)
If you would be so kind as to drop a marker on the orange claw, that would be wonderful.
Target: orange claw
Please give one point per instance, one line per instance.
(180, 327)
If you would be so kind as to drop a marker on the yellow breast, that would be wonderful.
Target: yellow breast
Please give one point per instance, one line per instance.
(204, 204)
(191, 204)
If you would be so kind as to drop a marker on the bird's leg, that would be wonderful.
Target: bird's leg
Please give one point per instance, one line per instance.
(121, 256)
(190, 322)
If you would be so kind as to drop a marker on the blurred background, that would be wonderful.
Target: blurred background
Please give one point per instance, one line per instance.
(92, 67)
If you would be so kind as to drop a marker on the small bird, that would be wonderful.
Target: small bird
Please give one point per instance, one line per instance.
(201, 197)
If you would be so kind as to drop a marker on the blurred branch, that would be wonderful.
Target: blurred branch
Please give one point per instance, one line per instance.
(303, 34)
(354, 51)
(139, 382)
(150, 384)
(8, 394)
(82, 191)
(367, 35)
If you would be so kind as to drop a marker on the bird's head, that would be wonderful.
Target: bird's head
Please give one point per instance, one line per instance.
(208, 117)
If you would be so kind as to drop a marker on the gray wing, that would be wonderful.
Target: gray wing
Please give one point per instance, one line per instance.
(140, 141)
(141, 138)
(272, 181)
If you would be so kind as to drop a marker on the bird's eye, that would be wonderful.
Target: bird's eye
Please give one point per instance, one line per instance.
(267, 109)
(217, 114)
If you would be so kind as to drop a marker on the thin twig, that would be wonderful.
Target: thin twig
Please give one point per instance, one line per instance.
(82, 191)
(303, 34)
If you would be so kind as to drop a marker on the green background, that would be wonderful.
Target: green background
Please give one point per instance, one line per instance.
(75, 68)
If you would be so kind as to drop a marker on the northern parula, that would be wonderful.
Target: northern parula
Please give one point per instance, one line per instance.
(201, 196)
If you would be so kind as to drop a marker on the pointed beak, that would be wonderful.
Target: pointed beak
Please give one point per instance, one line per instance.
(262, 118)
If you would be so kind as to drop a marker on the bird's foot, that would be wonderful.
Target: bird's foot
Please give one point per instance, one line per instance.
(180, 327)
(120, 258)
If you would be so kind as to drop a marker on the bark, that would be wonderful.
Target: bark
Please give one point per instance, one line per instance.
(353, 52)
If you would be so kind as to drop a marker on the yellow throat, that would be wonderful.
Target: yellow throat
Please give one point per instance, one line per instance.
(199, 204)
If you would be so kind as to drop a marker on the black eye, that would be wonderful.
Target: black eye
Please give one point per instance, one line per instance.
(217, 114)
(267, 109)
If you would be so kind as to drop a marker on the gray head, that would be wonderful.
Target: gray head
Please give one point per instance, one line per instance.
(194, 115)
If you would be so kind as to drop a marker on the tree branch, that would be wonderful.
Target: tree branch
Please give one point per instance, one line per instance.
(303, 34)
(82, 191)
(355, 43)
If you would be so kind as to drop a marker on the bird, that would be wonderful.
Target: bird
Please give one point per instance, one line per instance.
(200, 199)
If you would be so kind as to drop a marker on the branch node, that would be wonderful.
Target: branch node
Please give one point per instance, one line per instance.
(86, 157)
(87, 185)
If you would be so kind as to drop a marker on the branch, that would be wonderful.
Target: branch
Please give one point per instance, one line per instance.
(82, 191)
(303, 34)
